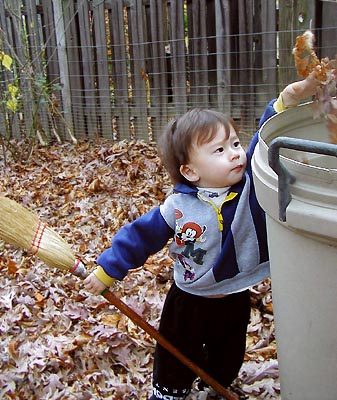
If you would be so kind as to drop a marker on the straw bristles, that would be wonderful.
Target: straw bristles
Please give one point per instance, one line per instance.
(21, 228)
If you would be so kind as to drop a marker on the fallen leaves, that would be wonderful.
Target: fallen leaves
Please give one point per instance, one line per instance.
(58, 341)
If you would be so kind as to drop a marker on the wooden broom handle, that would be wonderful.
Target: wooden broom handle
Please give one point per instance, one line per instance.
(138, 320)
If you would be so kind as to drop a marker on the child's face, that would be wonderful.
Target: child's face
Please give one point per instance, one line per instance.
(218, 163)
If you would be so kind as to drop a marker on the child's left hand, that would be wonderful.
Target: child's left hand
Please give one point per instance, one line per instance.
(93, 284)
(297, 91)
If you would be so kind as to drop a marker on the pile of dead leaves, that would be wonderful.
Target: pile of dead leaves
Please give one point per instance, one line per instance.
(57, 341)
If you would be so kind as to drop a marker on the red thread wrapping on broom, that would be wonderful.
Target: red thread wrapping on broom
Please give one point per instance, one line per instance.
(74, 267)
(36, 242)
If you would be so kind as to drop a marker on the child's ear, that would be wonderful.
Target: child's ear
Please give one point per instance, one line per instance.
(189, 173)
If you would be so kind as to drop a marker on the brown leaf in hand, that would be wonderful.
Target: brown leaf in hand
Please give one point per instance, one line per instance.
(307, 61)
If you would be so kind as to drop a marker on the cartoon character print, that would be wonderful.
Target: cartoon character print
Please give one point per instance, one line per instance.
(189, 271)
(186, 236)
(190, 232)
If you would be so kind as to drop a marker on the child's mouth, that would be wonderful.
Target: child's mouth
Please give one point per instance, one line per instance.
(238, 168)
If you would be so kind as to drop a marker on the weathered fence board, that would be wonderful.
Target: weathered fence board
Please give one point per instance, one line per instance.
(4, 76)
(157, 65)
(72, 41)
(223, 53)
(103, 77)
(178, 55)
(86, 48)
(63, 64)
(121, 68)
(327, 35)
(23, 81)
(265, 63)
(197, 52)
(294, 20)
(35, 49)
(245, 67)
(139, 78)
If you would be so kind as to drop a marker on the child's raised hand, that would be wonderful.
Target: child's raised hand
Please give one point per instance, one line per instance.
(297, 91)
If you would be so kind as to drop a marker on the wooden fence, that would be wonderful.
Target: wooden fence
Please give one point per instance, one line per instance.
(120, 69)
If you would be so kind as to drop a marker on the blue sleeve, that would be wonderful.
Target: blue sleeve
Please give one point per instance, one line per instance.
(268, 112)
(134, 243)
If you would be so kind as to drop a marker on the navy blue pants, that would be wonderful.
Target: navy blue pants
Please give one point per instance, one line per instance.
(209, 331)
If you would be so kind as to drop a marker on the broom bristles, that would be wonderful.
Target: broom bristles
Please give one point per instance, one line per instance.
(21, 228)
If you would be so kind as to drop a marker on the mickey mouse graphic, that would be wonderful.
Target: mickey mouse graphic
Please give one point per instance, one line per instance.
(190, 232)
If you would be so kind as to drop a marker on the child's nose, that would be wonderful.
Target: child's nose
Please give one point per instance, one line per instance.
(235, 154)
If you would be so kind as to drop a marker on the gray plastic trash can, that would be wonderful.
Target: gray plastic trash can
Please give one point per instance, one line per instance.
(298, 191)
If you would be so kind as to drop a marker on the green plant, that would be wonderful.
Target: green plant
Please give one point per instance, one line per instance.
(39, 101)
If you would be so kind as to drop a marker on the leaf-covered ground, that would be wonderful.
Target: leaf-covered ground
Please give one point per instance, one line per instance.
(57, 341)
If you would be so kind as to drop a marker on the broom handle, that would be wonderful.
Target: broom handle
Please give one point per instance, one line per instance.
(138, 320)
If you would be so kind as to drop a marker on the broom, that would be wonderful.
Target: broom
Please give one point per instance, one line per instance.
(21, 228)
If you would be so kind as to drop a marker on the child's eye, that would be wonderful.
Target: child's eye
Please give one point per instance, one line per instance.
(219, 150)
(237, 143)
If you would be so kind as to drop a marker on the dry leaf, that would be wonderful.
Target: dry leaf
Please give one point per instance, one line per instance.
(12, 268)
(110, 319)
(306, 61)
(82, 339)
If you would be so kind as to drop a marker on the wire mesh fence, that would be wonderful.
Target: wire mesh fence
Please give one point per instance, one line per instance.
(121, 69)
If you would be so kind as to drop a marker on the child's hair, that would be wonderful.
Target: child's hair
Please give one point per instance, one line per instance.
(198, 126)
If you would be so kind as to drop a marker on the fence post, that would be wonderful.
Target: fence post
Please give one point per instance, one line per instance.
(245, 83)
(198, 53)
(103, 78)
(49, 42)
(87, 64)
(139, 75)
(70, 16)
(159, 79)
(326, 38)
(120, 69)
(20, 48)
(63, 63)
(295, 17)
(178, 55)
(265, 54)
(223, 55)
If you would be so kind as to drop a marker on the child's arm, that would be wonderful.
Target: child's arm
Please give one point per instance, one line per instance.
(131, 247)
(290, 96)
(293, 93)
